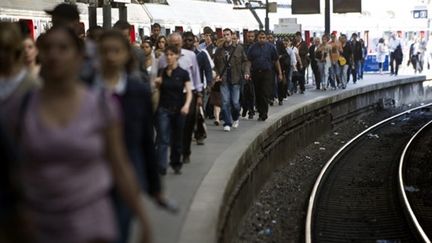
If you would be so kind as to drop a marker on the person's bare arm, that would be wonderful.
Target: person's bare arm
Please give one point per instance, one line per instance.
(279, 70)
(185, 108)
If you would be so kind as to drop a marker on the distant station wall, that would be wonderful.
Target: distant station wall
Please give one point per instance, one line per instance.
(237, 176)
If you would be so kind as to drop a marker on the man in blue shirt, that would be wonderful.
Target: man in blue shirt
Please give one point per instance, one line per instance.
(264, 58)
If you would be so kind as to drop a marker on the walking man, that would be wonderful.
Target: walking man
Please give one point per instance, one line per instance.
(263, 58)
(230, 62)
(394, 42)
(303, 51)
(248, 92)
(156, 30)
(357, 56)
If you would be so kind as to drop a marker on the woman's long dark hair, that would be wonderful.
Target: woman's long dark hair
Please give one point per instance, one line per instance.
(115, 34)
(158, 40)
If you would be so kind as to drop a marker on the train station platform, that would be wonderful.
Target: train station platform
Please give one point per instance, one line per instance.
(200, 188)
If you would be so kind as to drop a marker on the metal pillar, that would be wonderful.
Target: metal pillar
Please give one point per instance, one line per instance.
(257, 18)
(92, 9)
(106, 9)
(122, 12)
(267, 21)
(327, 17)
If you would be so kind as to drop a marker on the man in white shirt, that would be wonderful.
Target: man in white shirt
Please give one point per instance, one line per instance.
(394, 42)
(294, 57)
(291, 54)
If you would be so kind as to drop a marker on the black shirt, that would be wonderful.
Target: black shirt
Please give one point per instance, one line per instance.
(171, 89)
(347, 53)
(357, 50)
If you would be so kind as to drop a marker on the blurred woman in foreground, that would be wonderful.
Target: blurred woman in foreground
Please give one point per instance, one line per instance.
(134, 97)
(72, 141)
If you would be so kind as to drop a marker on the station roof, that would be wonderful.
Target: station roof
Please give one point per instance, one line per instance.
(35, 5)
(202, 13)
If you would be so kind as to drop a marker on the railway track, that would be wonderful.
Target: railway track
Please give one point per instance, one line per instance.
(415, 176)
(357, 197)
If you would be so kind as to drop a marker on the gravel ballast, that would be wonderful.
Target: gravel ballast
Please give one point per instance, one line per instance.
(278, 213)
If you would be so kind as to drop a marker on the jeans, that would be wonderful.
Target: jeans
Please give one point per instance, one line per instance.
(230, 100)
(361, 69)
(343, 75)
(123, 216)
(289, 84)
(324, 73)
(334, 74)
(292, 85)
(356, 71)
(170, 126)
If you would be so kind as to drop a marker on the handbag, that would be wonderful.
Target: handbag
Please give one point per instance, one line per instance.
(201, 129)
(342, 61)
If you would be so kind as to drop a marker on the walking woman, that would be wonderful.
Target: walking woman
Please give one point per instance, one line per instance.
(30, 57)
(134, 97)
(15, 77)
(322, 56)
(364, 56)
(381, 54)
(72, 142)
(172, 110)
(151, 65)
(160, 46)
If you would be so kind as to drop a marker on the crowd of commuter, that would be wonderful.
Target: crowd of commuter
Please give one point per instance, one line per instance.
(88, 125)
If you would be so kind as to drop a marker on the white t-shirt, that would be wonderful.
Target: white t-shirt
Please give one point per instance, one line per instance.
(293, 52)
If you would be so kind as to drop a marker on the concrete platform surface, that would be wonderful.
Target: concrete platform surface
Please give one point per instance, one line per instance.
(167, 227)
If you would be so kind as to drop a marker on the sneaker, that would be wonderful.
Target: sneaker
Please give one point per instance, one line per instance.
(217, 123)
(227, 128)
(280, 102)
(235, 124)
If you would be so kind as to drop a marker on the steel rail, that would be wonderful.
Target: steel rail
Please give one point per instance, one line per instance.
(311, 205)
(405, 200)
